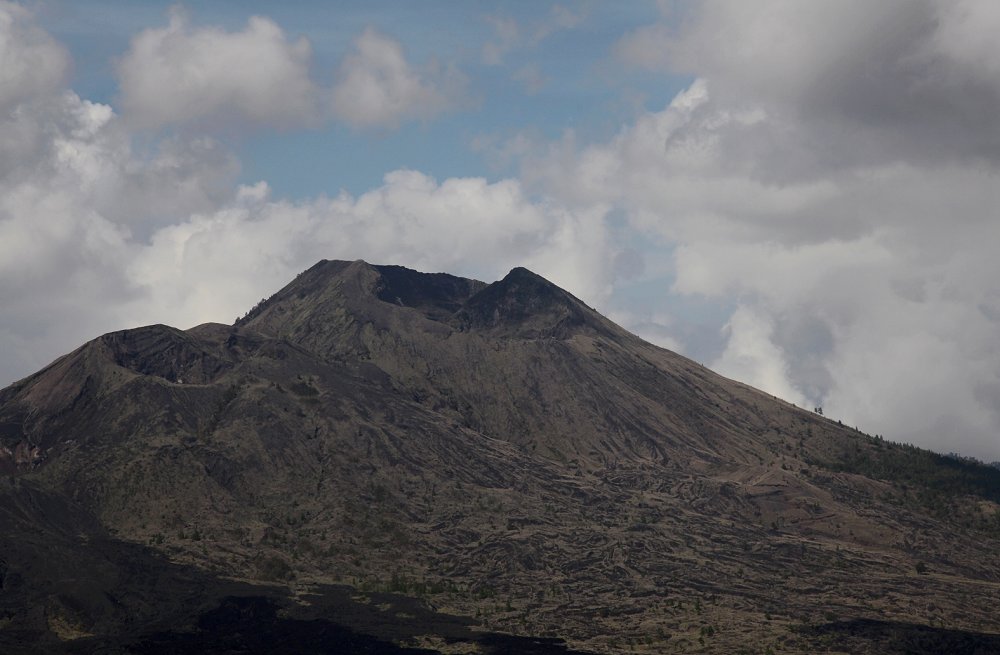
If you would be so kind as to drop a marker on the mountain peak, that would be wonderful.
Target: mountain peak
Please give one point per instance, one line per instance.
(522, 272)
(525, 304)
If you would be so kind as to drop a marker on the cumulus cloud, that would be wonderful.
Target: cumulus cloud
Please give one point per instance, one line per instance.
(208, 78)
(832, 176)
(72, 211)
(33, 62)
(377, 87)
(219, 263)
(179, 74)
(752, 357)
(892, 79)
(57, 252)
(75, 200)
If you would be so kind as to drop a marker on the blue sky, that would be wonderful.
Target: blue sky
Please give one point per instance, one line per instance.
(802, 196)
(584, 89)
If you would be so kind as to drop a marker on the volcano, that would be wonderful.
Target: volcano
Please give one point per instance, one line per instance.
(378, 460)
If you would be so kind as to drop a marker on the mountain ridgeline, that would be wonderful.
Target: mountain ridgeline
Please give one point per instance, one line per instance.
(379, 460)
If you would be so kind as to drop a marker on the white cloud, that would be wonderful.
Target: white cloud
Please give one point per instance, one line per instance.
(57, 253)
(212, 79)
(833, 175)
(207, 79)
(377, 87)
(183, 75)
(31, 62)
(73, 211)
(76, 200)
(216, 265)
(891, 79)
(752, 357)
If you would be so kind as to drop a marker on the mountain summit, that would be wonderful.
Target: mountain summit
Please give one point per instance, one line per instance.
(375, 459)
(527, 305)
(522, 304)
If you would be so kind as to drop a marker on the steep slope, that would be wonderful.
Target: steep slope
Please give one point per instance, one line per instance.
(502, 451)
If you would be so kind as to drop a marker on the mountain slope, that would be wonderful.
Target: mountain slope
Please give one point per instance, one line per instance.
(503, 452)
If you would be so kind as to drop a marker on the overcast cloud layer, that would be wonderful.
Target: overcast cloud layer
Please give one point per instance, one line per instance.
(827, 186)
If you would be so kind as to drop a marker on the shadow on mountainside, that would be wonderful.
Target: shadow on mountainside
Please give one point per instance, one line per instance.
(891, 638)
(333, 622)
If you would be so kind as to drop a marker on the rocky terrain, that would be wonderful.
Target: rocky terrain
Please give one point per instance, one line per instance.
(379, 460)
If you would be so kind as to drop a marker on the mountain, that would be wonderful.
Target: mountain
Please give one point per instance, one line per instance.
(379, 460)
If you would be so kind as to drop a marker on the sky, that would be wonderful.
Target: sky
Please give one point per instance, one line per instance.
(801, 195)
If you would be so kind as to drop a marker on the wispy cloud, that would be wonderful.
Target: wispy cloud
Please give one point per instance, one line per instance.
(509, 35)
(377, 87)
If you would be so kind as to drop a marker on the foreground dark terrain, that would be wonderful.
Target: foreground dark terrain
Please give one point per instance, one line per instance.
(376, 460)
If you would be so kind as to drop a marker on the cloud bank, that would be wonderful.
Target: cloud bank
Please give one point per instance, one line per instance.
(835, 171)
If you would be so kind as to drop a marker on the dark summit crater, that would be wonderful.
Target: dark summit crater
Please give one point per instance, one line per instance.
(437, 295)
